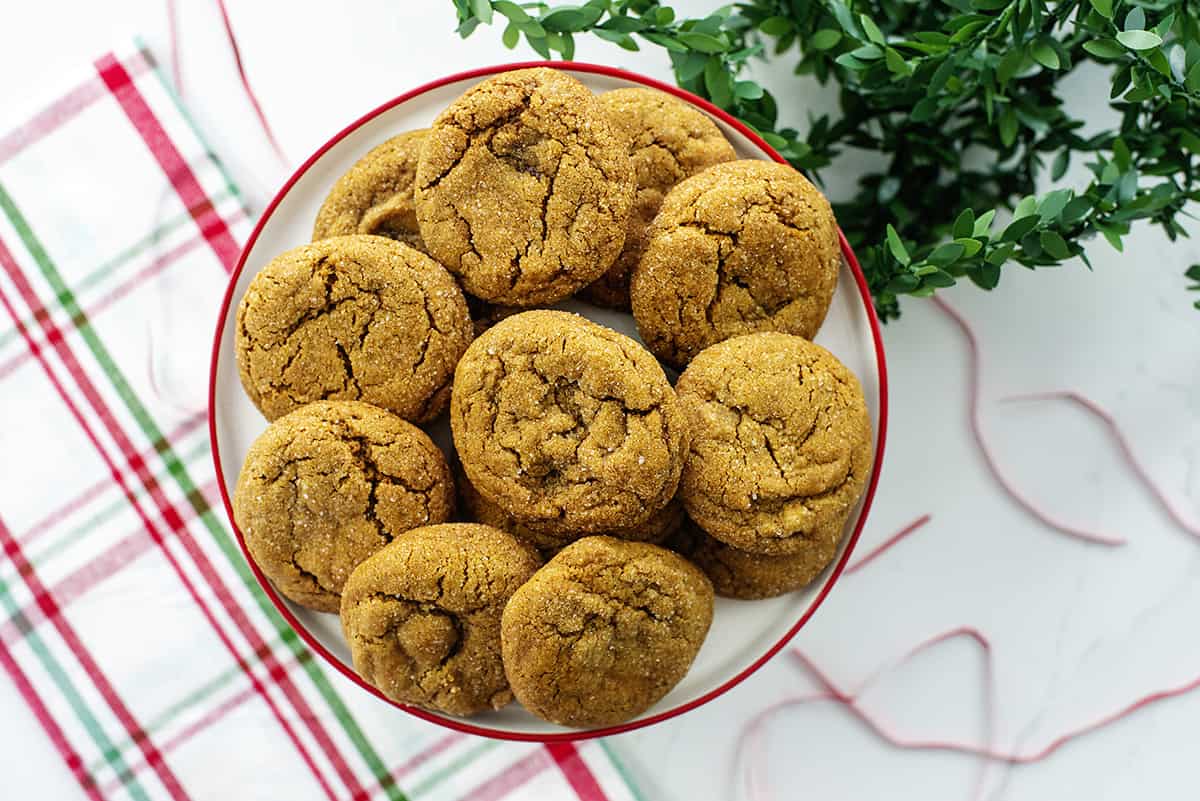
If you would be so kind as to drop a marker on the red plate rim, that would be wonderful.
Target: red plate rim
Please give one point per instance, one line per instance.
(463, 726)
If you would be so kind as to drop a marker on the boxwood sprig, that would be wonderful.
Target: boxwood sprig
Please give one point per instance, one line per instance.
(963, 99)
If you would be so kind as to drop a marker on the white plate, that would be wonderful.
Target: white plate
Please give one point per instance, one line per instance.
(744, 634)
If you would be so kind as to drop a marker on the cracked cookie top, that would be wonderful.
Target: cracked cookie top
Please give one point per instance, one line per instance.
(668, 140)
(741, 247)
(735, 573)
(604, 631)
(523, 189)
(326, 486)
(422, 615)
(781, 443)
(474, 506)
(568, 426)
(352, 318)
(375, 196)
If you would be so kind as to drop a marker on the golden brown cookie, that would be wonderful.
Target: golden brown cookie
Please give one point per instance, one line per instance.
(750, 576)
(668, 140)
(422, 616)
(604, 631)
(781, 443)
(352, 318)
(741, 247)
(473, 506)
(326, 486)
(375, 196)
(523, 190)
(570, 427)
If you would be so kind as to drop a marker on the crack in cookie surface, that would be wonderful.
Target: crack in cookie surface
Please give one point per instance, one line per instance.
(668, 140)
(604, 630)
(422, 615)
(325, 487)
(741, 247)
(523, 189)
(570, 427)
(375, 196)
(781, 443)
(351, 318)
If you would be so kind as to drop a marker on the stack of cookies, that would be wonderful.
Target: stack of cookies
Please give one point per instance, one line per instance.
(568, 551)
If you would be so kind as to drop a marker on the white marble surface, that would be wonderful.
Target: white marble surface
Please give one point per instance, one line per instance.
(1078, 630)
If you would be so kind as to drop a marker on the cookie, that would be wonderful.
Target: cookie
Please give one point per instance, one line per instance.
(328, 485)
(668, 140)
(604, 631)
(475, 507)
(422, 616)
(375, 196)
(741, 247)
(781, 443)
(523, 189)
(568, 426)
(352, 318)
(751, 576)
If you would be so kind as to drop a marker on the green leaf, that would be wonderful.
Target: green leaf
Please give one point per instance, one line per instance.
(871, 29)
(970, 246)
(867, 52)
(1008, 127)
(1053, 203)
(904, 282)
(946, 253)
(825, 39)
(775, 26)
(1061, 162)
(621, 39)
(1104, 8)
(1104, 48)
(1055, 245)
(844, 18)
(1114, 239)
(1019, 228)
(1193, 78)
(692, 66)
(987, 276)
(747, 90)
(622, 24)
(984, 223)
(1139, 40)
(1010, 65)
(664, 16)
(1001, 254)
(570, 20)
(718, 82)
(896, 62)
(1045, 55)
(897, 246)
(663, 40)
(939, 279)
(511, 10)
(964, 224)
(483, 10)
(540, 45)
(1026, 206)
(1135, 20)
(511, 36)
(1189, 140)
(1076, 210)
(704, 42)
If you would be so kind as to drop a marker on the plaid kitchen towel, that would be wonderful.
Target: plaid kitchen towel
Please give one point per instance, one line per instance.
(129, 622)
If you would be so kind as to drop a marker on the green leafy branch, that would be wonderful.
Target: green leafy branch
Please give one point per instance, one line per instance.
(963, 97)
